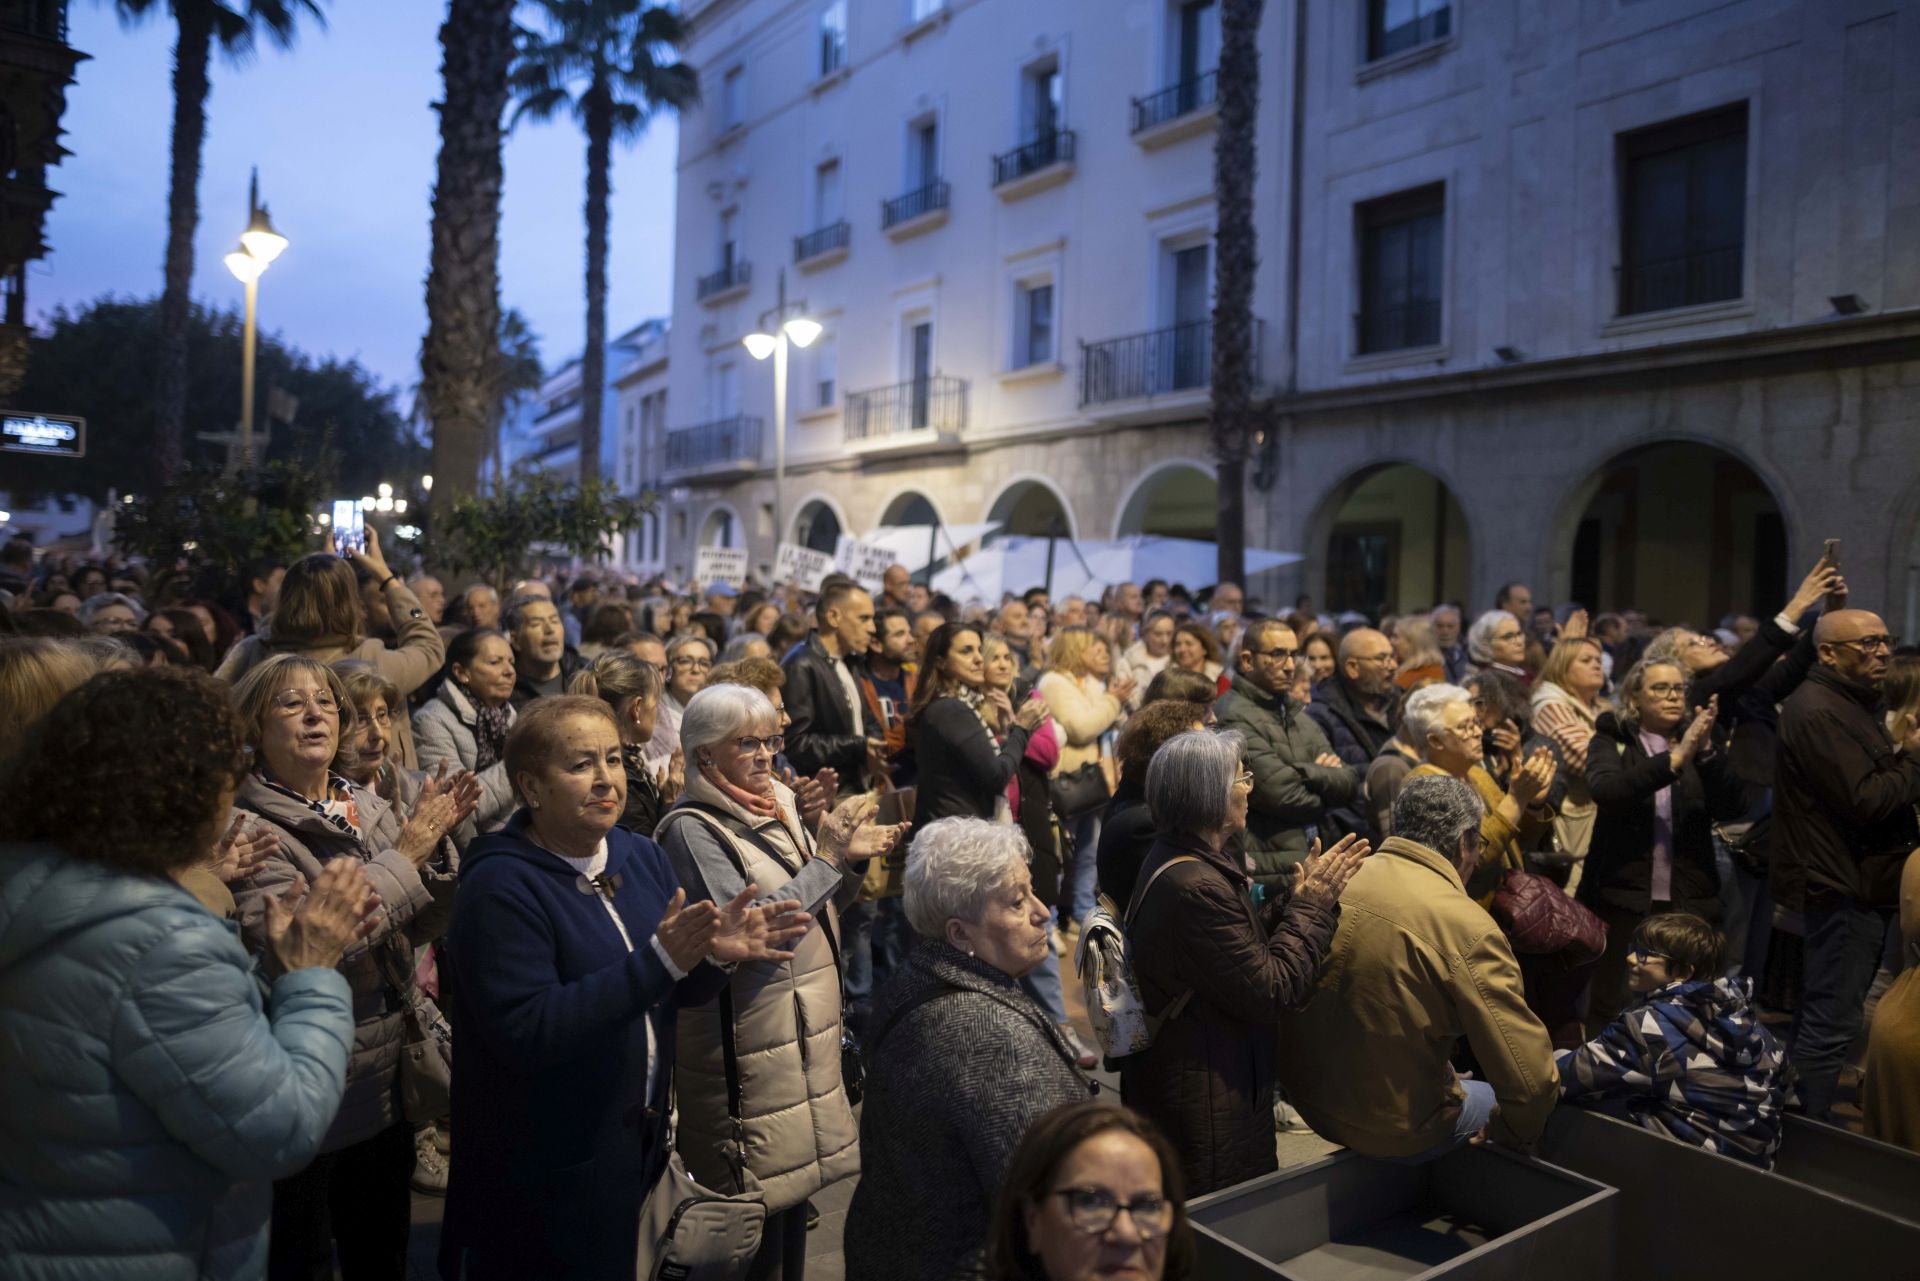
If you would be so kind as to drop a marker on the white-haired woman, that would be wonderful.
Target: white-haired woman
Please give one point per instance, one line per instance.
(758, 1072)
(1214, 968)
(1443, 727)
(960, 1059)
(1497, 642)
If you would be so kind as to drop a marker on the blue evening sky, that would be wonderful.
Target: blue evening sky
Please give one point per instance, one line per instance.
(345, 137)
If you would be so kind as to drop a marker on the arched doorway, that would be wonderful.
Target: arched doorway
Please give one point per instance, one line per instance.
(1174, 500)
(1395, 539)
(1682, 531)
(1032, 508)
(721, 528)
(910, 507)
(817, 526)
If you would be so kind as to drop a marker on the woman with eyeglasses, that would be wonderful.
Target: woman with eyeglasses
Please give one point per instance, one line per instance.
(1092, 1191)
(295, 713)
(1497, 642)
(760, 1088)
(1659, 786)
(690, 656)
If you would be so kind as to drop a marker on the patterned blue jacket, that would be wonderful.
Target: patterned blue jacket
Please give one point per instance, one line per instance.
(1689, 1061)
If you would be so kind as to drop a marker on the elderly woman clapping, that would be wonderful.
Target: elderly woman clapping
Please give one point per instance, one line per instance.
(960, 1060)
(1442, 725)
(787, 1122)
(297, 714)
(1214, 970)
(570, 953)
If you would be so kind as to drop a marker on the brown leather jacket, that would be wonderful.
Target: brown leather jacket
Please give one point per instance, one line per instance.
(1415, 966)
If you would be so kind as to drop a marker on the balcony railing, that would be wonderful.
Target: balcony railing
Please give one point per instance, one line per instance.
(1175, 101)
(1048, 149)
(44, 18)
(728, 277)
(1410, 324)
(935, 404)
(1178, 358)
(836, 235)
(727, 440)
(914, 204)
(1686, 281)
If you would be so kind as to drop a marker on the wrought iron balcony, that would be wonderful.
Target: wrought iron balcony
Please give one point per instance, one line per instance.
(1048, 149)
(915, 204)
(1177, 358)
(1657, 284)
(735, 275)
(935, 404)
(1175, 101)
(815, 244)
(724, 444)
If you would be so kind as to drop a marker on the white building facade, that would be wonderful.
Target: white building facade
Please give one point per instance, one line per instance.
(1546, 292)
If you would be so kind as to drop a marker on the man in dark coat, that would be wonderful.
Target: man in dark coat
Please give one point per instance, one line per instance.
(823, 691)
(1357, 708)
(1845, 811)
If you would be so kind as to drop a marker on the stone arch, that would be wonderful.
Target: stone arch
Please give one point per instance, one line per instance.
(1392, 534)
(722, 527)
(1177, 498)
(1715, 519)
(1028, 504)
(910, 506)
(818, 523)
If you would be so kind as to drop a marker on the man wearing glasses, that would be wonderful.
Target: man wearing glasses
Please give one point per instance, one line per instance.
(1296, 776)
(1845, 797)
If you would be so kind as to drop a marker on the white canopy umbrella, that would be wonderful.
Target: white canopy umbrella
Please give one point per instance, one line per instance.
(1013, 564)
(909, 543)
(1178, 560)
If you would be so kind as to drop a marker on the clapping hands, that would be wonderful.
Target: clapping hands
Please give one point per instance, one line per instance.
(737, 932)
(849, 834)
(1320, 879)
(244, 849)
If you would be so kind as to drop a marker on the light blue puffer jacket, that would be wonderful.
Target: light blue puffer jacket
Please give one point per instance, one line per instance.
(146, 1100)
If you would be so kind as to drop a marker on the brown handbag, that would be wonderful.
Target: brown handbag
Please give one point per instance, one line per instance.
(1541, 919)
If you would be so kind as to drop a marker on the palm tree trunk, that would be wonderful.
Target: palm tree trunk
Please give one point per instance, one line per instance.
(460, 357)
(1236, 257)
(593, 362)
(190, 56)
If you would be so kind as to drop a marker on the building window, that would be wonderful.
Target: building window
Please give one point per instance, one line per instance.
(1683, 212)
(826, 373)
(1042, 104)
(733, 98)
(729, 240)
(1401, 270)
(923, 154)
(1394, 26)
(1194, 43)
(833, 37)
(827, 199)
(1033, 324)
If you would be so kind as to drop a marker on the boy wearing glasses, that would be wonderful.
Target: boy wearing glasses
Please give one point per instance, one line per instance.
(1687, 1059)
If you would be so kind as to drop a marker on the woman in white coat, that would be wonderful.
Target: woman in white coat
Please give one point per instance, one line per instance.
(465, 723)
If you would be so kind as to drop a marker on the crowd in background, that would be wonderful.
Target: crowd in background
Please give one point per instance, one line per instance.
(769, 889)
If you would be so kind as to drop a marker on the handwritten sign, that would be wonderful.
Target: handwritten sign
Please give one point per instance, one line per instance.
(60, 435)
(720, 565)
(802, 566)
(864, 562)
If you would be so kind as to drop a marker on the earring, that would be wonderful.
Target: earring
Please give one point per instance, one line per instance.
(970, 952)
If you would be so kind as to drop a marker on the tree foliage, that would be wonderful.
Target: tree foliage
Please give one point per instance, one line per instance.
(97, 362)
(208, 518)
(499, 535)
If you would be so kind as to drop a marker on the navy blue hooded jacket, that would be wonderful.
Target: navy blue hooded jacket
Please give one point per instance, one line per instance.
(560, 1135)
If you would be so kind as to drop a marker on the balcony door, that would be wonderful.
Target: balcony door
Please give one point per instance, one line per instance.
(1186, 353)
(1196, 47)
(920, 373)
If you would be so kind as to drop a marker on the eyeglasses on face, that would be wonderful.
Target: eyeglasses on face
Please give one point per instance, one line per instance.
(1868, 644)
(1093, 1210)
(750, 746)
(1243, 779)
(686, 664)
(1641, 955)
(291, 702)
(1509, 636)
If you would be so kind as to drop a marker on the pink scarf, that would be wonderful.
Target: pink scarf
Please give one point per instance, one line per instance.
(764, 805)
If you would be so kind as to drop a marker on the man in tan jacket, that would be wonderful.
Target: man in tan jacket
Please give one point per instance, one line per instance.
(1415, 965)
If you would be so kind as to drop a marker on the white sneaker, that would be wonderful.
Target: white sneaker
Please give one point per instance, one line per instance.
(429, 1167)
(1288, 1121)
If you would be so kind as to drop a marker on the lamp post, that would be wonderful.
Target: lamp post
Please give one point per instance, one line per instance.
(259, 245)
(789, 323)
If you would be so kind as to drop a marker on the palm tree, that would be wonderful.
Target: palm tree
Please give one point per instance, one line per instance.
(605, 60)
(518, 375)
(458, 377)
(1236, 256)
(232, 24)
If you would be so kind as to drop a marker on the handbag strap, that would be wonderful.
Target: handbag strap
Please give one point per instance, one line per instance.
(1179, 1003)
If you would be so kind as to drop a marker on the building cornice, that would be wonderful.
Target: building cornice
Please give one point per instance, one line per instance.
(1887, 336)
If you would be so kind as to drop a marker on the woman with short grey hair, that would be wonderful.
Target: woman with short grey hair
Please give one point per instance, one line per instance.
(1216, 965)
(960, 1060)
(1497, 642)
(111, 614)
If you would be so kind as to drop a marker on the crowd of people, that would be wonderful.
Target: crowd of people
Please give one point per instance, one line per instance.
(761, 890)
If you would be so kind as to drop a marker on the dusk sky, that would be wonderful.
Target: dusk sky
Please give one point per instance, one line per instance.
(342, 129)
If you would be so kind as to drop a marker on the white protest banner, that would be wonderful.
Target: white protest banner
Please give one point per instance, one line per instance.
(802, 566)
(864, 562)
(720, 565)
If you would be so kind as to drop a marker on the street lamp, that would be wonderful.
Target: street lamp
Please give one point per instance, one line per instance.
(259, 245)
(790, 324)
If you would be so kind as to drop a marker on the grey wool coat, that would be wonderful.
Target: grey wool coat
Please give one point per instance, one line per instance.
(307, 844)
(952, 1086)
